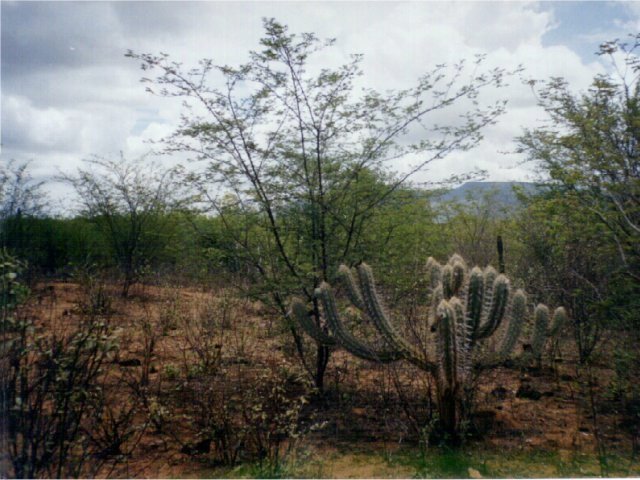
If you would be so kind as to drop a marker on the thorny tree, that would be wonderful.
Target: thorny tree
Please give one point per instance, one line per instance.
(129, 202)
(20, 197)
(590, 150)
(278, 139)
(590, 147)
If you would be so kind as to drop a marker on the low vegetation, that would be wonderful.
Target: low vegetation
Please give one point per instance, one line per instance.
(169, 329)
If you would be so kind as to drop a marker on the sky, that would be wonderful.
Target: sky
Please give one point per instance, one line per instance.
(68, 92)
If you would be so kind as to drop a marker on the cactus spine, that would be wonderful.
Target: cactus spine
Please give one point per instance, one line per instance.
(541, 319)
(466, 308)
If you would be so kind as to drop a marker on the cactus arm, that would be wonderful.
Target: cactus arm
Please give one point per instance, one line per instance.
(464, 337)
(475, 294)
(490, 276)
(453, 276)
(446, 346)
(436, 297)
(497, 308)
(516, 321)
(344, 337)
(375, 311)
(541, 319)
(458, 273)
(456, 258)
(353, 292)
(559, 319)
(299, 311)
(447, 281)
(500, 248)
(434, 271)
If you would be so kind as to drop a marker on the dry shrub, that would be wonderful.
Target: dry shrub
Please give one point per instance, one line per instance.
(96, 300)
(224, 401)
(51, 384)
(65, 411)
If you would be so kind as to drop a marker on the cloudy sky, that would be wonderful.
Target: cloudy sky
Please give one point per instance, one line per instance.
(69, 93)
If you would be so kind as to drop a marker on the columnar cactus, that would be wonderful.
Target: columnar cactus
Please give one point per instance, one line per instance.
(466, 309)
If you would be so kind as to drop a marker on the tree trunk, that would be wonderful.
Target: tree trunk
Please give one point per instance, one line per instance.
(126, 285)
(322, 353)
(322, 359)
(449, 416)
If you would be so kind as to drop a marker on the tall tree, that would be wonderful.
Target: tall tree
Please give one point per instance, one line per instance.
(279, 137)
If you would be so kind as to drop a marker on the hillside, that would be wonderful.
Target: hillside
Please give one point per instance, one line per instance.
(502, 192)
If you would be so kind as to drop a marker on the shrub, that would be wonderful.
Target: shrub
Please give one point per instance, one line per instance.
(50, 386)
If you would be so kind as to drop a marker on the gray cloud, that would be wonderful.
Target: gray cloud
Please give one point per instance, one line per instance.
(45, 36)
(68, 91)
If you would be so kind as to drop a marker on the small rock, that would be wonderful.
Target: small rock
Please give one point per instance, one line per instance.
(473, 473)
(203, 446)
(484, 420)
(508, 363)
(155, 445)
(500, 392)
(540, 371)
(526, 391)
(236, 361)
(130, 362)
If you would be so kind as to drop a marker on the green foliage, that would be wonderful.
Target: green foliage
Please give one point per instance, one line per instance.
(448, 464)
(568, 259)
(12, 292)
(471, 227)
(20, 197)
(506, 463)
(50, 245)
(589, 153)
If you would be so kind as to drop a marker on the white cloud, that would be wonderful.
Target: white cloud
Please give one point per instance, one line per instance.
(91, 101)
(43, 129)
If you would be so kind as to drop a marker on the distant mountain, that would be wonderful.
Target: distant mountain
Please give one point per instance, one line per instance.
(501, 193)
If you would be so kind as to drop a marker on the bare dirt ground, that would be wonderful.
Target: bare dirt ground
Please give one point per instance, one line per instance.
(367, 424)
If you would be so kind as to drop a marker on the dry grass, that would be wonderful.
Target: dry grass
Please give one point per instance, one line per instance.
(161, 330)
